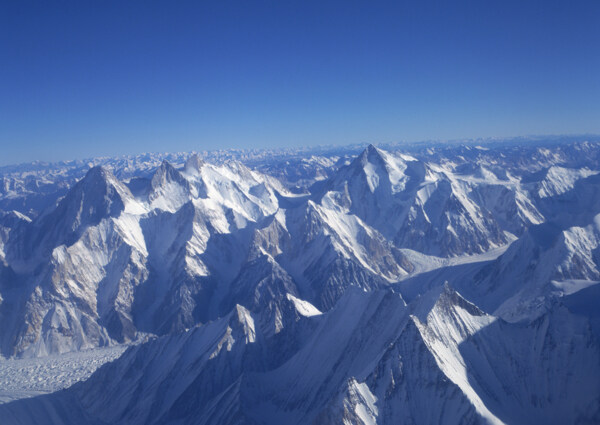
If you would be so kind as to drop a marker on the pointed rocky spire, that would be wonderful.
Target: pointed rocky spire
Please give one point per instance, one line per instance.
(371, 155)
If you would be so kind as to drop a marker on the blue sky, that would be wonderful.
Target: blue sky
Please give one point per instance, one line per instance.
(88, 78)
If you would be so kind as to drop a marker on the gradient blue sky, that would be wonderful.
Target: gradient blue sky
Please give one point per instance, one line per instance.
(87, 78)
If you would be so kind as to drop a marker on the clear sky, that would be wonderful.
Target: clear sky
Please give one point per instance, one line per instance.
(88, 78)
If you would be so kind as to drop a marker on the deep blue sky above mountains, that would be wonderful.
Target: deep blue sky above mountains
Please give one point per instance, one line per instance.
(86, 78)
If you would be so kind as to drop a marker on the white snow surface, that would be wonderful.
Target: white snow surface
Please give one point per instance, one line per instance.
(304, 307)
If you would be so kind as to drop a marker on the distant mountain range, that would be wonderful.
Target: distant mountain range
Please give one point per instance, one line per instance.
(428, 283)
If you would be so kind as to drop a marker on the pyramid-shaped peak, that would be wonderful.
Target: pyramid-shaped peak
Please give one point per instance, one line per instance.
(97, 172)
(97, 196)
(450, 298)
(372, 150)
(371, 155)
(97, 180)
(166, 173)
(443, 300)
(166, 165)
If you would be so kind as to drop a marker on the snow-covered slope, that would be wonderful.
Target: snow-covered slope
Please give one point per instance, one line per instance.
(322, 295)
(82, 266)
(117, 259)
